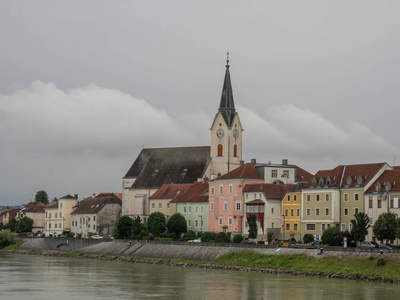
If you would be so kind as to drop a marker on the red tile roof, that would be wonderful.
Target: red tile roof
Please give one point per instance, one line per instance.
(391, 176)
(199, 188)
(170, 191)
(53, 204)
(270, 190)
(94, 205)
(119, 195)
(34, 207)
(247, 171)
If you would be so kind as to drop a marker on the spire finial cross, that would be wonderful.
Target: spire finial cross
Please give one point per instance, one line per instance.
(227, 58)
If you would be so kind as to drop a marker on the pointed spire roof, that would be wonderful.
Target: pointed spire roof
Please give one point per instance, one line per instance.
(227, 106)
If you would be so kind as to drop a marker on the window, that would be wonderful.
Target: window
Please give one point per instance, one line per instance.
(295, 227)
(327, 211)
(371, 221)
(274, 173)
(201, 223)
(238, 206)
(189, 223)
(94, 218)
(46, 214)
(55, 215)
(55, 225)
(379, 203)
(286, 173)
(159, 205)
(60, 215)
(212, 191)
(197, 209)
(201, 209)
(221, 189)
(272, 225)
(316, 197)
(220, 221)
(230, 189)
(308, 197)
(356, 210)
(153, 206)
(288, 198)
(184, 209)
(261, 209)
(220, 150)
(326, 197)
(212, 206)
(308, 211)
(329, 225)
(310, 226)
(230, 221)
(298, 212)
(292, 212)
(287, 227)
(272, 210)
(343, 227)
(94, 227)
(168, 205)
(346, 197)
(60, 204)
(350, 226)
(225, 205)
(323, 227)
(294, 198)
(356, 197)
(49, 225)
(317, 211)
(370, 202)
(190, 208)
(286, 212)
(235, 151)
(391, 203)
(346, 211)
(196, 223)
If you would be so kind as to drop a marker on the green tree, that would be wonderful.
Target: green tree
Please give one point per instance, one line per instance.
(208, 237)
(156, 223)
(360, 226)
(41, 196)
(24, 225)
(308, 238)
(137, 227)
(124, 227)
(385, 227)
(237, 238)
(252, 226)
(398, 229)
(270, 237)
(176, 224)
(12, 224)
(328, 236)
(6, 238)
(222, 237)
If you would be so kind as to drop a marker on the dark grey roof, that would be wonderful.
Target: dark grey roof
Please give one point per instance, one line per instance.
(227, 106)
(157, 166)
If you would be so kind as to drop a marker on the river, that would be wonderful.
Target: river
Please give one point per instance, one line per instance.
(42, 277)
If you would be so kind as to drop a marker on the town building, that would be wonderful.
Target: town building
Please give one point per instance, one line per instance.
(291, 213)
(58, 215)
(34, 211)
(96, 215)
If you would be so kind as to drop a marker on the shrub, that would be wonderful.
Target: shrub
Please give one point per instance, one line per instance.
(208, 236)
(7, 238)
(222, 238)
(381, 262)
(190, 235)
(237, 238)
(328, 236)
(308, 238)
(270, 237)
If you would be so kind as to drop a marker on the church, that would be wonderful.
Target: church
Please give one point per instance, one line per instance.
(154, 167)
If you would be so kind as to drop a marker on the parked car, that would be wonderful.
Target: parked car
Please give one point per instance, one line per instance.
(96, 237)
(197, 240)
(312, 243)
(246, 242)
(385, 246)
(366, 244)
(108, 237)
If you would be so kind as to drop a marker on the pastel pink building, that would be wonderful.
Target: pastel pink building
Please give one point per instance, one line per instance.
(226, 208)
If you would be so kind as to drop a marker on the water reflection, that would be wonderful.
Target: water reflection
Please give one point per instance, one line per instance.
(39, 277)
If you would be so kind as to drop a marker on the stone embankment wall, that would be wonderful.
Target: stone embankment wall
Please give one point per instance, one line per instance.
(180, 250)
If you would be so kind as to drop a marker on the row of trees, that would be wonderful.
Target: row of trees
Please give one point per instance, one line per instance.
(23, 225)
(156, 224)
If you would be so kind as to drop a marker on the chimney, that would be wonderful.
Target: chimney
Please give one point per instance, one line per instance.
(253, 161)
(76, 196)
(284, 162)
(242, 162)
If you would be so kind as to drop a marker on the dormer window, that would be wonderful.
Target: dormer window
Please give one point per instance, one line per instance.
(328, 181)
(314, 182)
(377, 187)
(321, 181)
(155, 173)
(183, 174)
(387, 186)
(359, 180)
(349, 180)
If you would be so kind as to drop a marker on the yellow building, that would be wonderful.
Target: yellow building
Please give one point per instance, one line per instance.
(58, 215)
(291, 213)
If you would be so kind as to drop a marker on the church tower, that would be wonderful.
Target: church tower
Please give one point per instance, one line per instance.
(226, 132)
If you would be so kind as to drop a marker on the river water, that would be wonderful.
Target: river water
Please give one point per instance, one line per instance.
(42, 277)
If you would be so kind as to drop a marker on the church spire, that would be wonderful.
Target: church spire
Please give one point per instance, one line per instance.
(227, 106)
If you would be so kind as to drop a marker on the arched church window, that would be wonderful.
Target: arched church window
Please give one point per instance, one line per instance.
(220, 150)
(235, 151)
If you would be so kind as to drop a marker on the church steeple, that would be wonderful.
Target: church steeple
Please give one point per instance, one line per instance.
(227, 106)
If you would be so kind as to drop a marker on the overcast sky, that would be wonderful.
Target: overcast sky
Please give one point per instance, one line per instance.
(84, 85)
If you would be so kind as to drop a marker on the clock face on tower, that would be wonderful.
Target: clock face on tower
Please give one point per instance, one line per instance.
(220, 133)
(236, 133)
